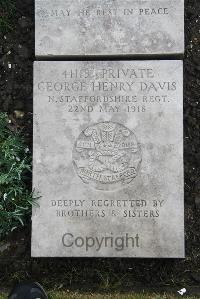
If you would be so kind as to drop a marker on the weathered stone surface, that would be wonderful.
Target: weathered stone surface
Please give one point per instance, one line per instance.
(108, 159)
(109, 27)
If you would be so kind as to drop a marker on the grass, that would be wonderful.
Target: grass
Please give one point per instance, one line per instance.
(76, 295)
(62, 295)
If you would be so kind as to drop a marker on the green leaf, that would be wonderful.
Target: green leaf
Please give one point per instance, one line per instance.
(15, 173)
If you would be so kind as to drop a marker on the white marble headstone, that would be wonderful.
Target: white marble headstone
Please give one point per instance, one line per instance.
(109, 27)
(108, 159)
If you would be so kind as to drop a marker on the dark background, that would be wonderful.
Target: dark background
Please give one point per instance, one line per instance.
(17, 49)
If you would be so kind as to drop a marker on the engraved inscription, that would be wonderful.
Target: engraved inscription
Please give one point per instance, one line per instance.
(43, 13)
(107, 156)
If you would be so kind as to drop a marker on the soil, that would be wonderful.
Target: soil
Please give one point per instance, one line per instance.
(16, 58)
(17, 50)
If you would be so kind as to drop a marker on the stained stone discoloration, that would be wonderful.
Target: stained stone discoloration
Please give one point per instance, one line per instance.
(109, 27)
(108, 159)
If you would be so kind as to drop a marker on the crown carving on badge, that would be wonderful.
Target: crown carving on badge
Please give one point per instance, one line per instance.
(106, 134)
(103, 133)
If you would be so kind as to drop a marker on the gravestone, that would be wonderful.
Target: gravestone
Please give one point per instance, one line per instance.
(109, 27)
(108, 159)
